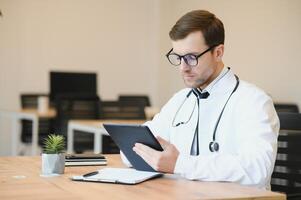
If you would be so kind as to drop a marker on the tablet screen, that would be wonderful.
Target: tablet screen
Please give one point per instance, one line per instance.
(125, 136)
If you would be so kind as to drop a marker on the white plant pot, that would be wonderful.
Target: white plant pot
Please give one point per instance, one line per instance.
(53, 163)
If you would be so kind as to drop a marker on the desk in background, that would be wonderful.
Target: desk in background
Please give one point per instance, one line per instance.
(33, 115)
(27, 114)
(20, 179)
(94, 127)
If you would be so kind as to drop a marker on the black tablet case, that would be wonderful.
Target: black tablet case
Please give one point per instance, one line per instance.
(125, 136)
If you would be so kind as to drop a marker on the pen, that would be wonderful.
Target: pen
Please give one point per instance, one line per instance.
(90, 174)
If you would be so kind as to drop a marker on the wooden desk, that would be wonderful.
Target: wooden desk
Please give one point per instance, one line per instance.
(20, 180)
(94, 127)
(51, 112)
(28, 114)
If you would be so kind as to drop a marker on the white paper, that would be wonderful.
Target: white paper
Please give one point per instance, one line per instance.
(119, 175)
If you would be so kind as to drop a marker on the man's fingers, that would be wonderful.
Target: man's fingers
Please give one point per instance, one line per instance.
(146, 153)
(147, 158)
(163, 142)
(145, 148)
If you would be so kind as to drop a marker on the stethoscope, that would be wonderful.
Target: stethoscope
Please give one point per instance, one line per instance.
(213, 145)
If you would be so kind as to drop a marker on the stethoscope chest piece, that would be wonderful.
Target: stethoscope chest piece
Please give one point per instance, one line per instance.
(213, 146)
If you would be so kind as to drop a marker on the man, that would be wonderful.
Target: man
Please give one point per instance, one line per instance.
(224, 129)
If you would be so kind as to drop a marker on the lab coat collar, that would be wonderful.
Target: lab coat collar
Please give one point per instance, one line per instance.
(222, 83)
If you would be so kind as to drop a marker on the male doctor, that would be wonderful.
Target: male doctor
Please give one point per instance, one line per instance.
(219, 128)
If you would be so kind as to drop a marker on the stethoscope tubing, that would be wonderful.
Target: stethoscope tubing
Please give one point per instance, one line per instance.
(213, 145)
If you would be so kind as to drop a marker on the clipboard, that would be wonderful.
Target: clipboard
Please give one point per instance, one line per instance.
(127, 176)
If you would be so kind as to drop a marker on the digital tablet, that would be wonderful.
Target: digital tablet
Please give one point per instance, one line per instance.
(125, 136)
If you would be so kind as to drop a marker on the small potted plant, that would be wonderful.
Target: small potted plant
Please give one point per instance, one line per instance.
(53, 157)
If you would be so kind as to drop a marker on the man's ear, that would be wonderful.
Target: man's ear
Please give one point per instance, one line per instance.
(219, 52)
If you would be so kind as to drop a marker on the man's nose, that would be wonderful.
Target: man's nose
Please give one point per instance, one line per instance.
(184, 66)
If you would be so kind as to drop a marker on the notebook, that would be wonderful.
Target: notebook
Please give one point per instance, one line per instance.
(84, 159)
(118, 175)
(85, 163)
(84, 156)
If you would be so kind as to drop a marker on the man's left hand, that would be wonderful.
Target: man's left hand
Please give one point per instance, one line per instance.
(163, 161)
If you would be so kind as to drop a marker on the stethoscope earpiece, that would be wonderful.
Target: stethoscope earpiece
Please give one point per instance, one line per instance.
(213, 146)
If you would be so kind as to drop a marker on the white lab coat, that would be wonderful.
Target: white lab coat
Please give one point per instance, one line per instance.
(247, 133)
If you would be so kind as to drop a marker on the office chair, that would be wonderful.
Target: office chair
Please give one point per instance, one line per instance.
(121, 110)
(285, 107)
(118, 110)
(76, 107)
(31, 101)
(287, 172)
(139, 99)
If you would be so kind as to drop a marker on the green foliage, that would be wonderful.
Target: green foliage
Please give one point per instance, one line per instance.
(54, 144)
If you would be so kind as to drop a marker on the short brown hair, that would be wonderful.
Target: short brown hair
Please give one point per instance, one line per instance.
(199, 20)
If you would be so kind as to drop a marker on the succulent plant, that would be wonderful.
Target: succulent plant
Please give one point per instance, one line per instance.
(54, 144)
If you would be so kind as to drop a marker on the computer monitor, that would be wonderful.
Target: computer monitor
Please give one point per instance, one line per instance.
(72, 83)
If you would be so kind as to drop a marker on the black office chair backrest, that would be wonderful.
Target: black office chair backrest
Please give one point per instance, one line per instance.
(287, 172)
(286, 107)
(138, 99)
(30, 100)
(75, 107)
(118, 110)
(289, 121)
(121, 110)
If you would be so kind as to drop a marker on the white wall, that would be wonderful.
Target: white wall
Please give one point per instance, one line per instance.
(263, 44)
(125, 42)
(113, 38)
(116, 39)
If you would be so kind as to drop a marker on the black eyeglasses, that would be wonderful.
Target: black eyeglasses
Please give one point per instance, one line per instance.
(189, 59)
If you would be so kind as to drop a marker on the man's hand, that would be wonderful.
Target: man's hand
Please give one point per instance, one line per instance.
(163, 161)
